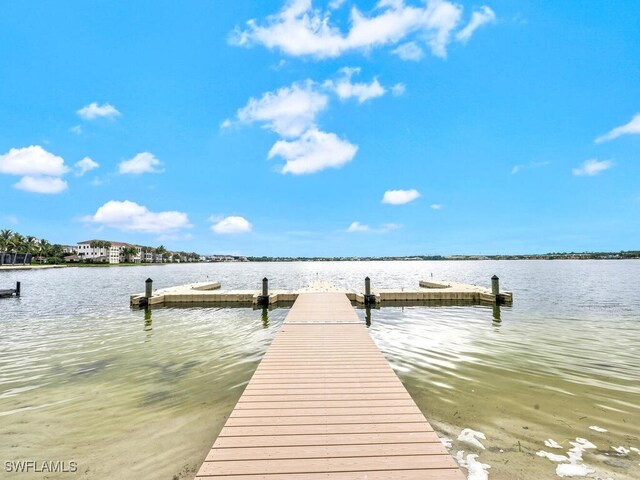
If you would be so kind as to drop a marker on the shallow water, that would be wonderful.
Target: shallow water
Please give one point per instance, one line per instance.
(83, 378)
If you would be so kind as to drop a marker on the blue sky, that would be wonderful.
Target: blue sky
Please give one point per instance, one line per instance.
(323, 128)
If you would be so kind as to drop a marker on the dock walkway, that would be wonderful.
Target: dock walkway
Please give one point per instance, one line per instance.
(325, 404)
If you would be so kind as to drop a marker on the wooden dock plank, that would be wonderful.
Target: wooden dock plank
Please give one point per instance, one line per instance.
(325, 419)
(328, 464)
(439, 474)
(325, 403)
(323, 451)
(327, 439)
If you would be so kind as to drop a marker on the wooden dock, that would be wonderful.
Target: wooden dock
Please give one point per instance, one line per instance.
(325, 404)
(426, 293)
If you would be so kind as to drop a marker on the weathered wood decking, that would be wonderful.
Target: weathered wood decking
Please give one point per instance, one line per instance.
(325, 404)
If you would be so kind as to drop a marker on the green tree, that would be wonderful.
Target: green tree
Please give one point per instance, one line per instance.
(129, 253)
(5, 238)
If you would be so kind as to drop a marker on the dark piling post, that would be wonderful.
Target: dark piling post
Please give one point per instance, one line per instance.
(264, 298)
(495, 285)
(369, 299)
(495, 289)
(148, 290)
(17, 289)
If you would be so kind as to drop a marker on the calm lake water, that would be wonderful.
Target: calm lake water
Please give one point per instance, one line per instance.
(84, 378)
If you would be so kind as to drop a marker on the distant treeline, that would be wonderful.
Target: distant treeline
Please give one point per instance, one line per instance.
(544, 256)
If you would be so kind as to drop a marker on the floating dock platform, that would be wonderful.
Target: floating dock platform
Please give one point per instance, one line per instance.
(325, 404)
(428, 292)
(10, 292)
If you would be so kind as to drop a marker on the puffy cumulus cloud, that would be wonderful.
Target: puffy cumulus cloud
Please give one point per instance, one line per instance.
(288, 111)
(480, 17)
(232, 224)
(299, 29)
(357, 227)
(592, 167)
(33, 160)
(345, 89)
(400, 197)
(631, 128)
(49, 185)
(130, 217)
(41, 170)
(85, 165)
(93, 111)
(144, 162)
(409, 51)
(312, 152)
(436, 206)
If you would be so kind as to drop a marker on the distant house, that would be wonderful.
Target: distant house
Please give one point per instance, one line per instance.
(70, 249)
(112, 254)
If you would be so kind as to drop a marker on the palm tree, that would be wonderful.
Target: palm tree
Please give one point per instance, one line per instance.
(17, 244)
(5, 237)
(129, 252)
(44, 248)
(31, 246)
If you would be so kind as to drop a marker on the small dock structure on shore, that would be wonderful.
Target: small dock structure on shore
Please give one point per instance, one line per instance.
(324, 403)
(427, 292)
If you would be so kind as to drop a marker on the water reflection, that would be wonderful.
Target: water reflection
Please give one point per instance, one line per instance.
(147, 319)
(496, 314)
(265, 317)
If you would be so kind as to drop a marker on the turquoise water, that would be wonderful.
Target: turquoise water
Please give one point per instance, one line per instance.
(84, 378)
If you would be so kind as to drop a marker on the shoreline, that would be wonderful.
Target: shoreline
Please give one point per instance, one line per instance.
(29, 267)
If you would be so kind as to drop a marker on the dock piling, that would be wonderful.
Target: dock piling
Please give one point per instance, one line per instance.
(495, 285)
(17, 289)
(148, 288)
(264, 298)
(369, 299)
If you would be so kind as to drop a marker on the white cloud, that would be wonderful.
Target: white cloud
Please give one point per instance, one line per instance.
(357, 227)
(436, 206)
(33, 160)
(300, 30)
(335, 4)
(344, 89)
(289, 111)
(631, 128)
(592, 167)
(232, 224)
(312, 152)
(398, 89)
(384, 228)
(93, 111)
(41, 170)
(478, 18)
(77, 130)
(85, 165)
(410, 51)
(227, 123)
(129, 216)
(144, 162)
(41, 184)
(400, 197)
